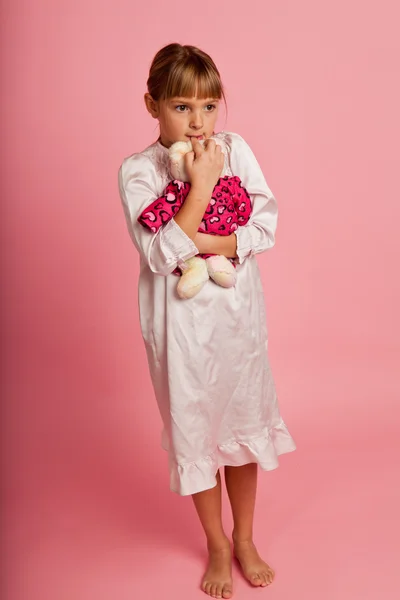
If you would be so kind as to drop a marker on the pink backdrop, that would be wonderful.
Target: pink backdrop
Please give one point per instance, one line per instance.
(314, 88)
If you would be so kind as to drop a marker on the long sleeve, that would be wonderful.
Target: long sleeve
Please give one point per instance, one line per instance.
(170, 246)
(259, 233)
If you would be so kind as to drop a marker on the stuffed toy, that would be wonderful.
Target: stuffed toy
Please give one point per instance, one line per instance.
(229, 208)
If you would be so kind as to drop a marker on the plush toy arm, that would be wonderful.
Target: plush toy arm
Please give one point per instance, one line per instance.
(242, 203)
(164, 208)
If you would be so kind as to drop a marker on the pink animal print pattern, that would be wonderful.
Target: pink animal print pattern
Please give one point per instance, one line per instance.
(229, 207)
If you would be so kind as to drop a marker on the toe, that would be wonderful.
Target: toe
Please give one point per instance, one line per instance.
(206, 588)
(227, 592)
(256, 579)
(270, 576)
(218, 591)
(213, 590)
(264, 579)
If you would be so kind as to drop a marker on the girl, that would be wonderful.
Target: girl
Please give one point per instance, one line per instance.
(207, 355)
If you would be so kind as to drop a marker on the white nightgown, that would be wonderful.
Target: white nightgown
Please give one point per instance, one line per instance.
(208, 355)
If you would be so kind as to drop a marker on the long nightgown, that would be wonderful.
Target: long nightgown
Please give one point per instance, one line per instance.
(207, 356)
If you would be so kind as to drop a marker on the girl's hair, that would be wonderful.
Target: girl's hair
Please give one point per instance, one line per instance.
(184, 71)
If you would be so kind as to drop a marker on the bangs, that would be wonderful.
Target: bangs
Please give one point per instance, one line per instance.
(193, 79)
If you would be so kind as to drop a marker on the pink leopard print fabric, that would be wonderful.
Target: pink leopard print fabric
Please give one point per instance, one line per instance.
(229, 207)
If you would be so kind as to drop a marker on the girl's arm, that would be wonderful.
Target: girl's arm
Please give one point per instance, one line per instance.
(170, 246)
(191, 213)
(217, 244)
(204, 166)
(259, 233)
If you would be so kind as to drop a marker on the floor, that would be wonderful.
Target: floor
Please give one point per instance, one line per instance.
(88, 513)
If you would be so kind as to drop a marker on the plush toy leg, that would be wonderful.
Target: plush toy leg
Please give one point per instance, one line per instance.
(194, 276)
(221, 270)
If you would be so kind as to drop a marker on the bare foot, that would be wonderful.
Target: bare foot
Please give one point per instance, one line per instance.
(254, 568)
(217, 581)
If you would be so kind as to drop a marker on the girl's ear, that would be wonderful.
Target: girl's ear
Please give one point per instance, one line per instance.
(152, 106)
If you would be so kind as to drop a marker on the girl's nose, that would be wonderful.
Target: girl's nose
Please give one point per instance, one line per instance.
(196, 121)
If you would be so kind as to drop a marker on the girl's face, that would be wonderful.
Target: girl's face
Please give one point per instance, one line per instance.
(183, 118)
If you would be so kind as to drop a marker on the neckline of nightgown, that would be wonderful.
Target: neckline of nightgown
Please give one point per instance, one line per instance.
(160, 146)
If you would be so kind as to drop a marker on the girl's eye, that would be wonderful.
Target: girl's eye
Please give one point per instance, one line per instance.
(181, 106)
(210, 107)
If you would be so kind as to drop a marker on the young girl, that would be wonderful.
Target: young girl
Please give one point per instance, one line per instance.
(207, 355)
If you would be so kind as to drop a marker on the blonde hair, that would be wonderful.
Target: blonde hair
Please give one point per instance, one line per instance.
(185, 72)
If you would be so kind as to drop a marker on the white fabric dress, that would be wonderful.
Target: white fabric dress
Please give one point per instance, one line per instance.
(207, 356)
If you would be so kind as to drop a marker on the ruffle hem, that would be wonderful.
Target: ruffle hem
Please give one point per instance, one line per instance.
(200, 475)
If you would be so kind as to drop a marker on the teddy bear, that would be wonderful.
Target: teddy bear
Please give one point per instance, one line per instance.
(229, 208)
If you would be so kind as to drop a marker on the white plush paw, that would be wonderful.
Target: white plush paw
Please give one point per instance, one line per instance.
(195, 275)
(176, 157)
(222, 271)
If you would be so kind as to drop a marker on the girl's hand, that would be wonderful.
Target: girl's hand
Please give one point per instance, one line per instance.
(204, 165)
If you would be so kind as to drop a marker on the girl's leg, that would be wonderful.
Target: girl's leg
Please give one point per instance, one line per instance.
(217, 581)
(241, 484)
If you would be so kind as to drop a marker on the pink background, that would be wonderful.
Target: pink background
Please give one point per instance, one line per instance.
(314, 88)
